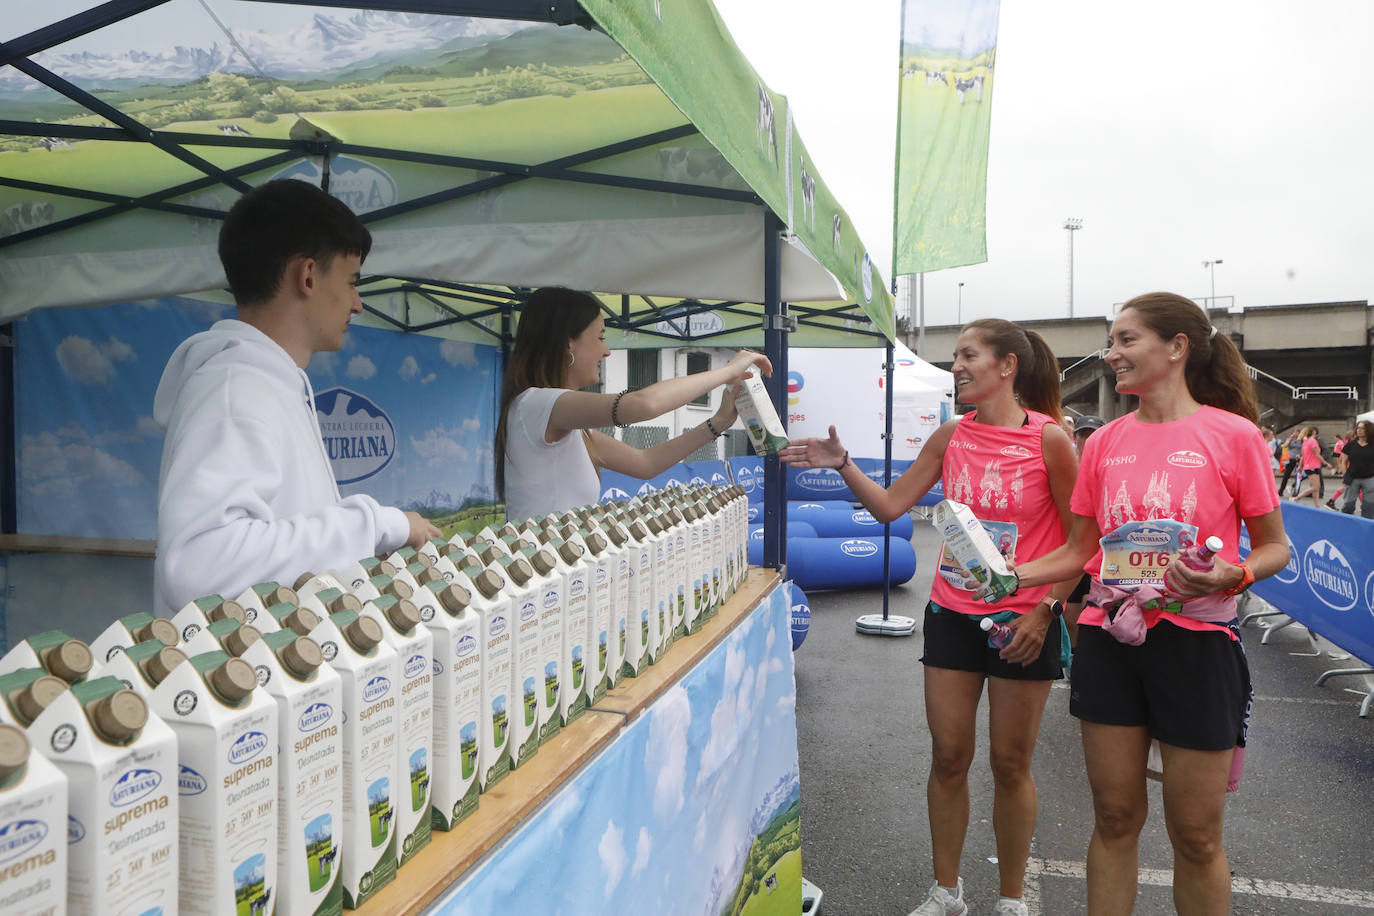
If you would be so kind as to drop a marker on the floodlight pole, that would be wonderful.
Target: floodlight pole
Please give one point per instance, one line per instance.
(1212, 266)
(1072, 224)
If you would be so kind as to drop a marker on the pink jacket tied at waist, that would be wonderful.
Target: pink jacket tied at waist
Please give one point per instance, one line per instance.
(1126, 611)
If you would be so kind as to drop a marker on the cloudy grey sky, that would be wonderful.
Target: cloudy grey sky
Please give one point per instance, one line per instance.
(1178, 131)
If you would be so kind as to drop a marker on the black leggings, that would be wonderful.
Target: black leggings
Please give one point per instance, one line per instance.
(1288, 470)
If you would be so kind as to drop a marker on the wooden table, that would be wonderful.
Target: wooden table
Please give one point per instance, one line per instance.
(449, 855)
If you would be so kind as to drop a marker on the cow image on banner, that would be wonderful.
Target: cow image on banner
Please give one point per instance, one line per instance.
(944, 114)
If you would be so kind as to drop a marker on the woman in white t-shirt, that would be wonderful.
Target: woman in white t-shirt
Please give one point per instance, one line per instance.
(548, 450)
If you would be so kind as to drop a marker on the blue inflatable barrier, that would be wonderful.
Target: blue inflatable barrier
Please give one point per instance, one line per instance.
(835, 523)
(748, 471)
(703, 473)
(794, 530)
(826, 483)
(842, 563)
(801, 617)
(839, 505)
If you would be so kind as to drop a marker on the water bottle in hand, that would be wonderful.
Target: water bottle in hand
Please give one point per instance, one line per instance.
(1201, 557)
(999, 634)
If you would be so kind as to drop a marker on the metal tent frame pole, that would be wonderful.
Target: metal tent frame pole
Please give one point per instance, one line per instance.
(886, 624)
(775, 327)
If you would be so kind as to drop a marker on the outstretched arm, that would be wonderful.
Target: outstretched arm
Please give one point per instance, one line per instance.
(586, 410)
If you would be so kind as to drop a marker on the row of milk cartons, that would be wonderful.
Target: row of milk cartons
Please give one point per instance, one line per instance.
(285, 751)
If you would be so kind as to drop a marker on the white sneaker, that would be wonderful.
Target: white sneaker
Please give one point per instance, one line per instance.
(1007, 907)
(940, 902)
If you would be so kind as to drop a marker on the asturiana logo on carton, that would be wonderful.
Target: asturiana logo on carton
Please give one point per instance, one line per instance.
(18, 837)
(576, 587)
(1330, 577)
(857, 547)
(1149, 537)
(189, 782)
(133, 785)
(466, 646)
(248, 746)
(550, 599)
(527, 612)
(415, 666)
(314, 716)
(76, 831)
(1183, 458)
(376, 688)
(498, 626)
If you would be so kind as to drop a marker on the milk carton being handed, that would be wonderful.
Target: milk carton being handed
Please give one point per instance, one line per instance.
(227, 749)
(121, 769)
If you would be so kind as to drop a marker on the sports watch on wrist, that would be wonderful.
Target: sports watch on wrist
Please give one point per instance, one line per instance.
(1055, 605)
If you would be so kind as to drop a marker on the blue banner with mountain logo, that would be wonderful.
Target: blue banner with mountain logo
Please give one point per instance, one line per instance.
(1328, 584)
(405, 418)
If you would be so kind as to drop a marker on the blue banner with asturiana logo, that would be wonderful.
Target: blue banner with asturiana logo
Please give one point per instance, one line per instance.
(1328, 584)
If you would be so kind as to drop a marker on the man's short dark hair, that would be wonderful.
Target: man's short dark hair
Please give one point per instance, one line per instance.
(276, 222)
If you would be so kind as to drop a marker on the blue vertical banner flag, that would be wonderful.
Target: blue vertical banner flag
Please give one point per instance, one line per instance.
(944, 116)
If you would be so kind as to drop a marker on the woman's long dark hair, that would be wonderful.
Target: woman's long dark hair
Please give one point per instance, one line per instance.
(549, 319)
(1037, 371)
(1215, 371)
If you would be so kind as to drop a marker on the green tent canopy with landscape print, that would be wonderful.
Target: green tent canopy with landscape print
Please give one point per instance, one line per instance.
(626, 147)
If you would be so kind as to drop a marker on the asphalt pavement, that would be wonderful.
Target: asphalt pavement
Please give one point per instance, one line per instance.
(1299, 833)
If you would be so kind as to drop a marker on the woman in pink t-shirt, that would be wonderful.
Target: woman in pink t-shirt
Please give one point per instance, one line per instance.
(1190, 453)
(1312, 463)
(1013, 464)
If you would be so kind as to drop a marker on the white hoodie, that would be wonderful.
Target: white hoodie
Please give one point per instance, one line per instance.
(246, 493)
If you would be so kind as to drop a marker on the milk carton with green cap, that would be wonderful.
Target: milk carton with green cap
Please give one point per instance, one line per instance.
(552, 598)
(619, 550)
(142, 667)
(598, 613)
(639, 553)
(122, 792)
(572, 666)
(527, 676)
(457, 633)
(54, 652)
(491, 604)
(256, 599)
(200, 613)
(25, 693)
(33, 834)
(228, 754)
(130, 630)
(299, 620)
(414, 645)
(228, 636)
(370, 672)
(290, 669)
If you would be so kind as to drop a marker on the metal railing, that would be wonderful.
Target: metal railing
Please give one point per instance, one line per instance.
(1296, 392)
(1303, 392)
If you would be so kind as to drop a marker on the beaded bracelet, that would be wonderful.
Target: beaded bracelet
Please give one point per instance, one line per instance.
(615, 410)
(715, 433)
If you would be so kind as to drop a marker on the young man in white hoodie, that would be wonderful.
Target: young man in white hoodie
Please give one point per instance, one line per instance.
(246, 492)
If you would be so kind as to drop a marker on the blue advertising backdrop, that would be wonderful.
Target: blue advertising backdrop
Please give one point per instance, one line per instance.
(1328, 584)
(695, 808)
(407, 418)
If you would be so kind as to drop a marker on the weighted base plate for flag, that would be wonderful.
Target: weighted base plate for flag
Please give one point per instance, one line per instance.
(875, 625)
(811, 899)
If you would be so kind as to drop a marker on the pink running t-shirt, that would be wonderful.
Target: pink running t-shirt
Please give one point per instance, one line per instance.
(1210, 469)
(1311, 454)
(1000, 474)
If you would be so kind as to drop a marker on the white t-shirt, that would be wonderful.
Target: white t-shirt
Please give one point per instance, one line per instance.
(544, 477)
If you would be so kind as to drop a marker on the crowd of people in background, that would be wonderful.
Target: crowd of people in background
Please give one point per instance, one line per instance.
(1302, 457)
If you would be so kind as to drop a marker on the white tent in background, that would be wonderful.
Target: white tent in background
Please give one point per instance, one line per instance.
(845, 387)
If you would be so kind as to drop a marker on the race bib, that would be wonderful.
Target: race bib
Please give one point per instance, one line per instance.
(1139, 553)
